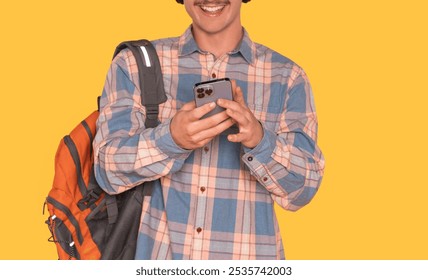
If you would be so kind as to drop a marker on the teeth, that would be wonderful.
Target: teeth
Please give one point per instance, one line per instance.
(211, 9)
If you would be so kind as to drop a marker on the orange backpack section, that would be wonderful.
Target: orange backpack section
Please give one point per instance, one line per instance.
(85, 222)
(67, 219)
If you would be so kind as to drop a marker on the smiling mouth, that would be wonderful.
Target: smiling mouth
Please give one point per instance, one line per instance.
(212, 10)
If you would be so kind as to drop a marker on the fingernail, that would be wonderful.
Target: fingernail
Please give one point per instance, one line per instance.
(212, 104)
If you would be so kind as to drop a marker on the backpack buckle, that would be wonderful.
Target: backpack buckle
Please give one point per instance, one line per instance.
(89, 199)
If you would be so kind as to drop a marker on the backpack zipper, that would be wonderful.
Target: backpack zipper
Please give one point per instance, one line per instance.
(69, 215)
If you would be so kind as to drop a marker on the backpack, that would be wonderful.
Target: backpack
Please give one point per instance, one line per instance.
(85, 222)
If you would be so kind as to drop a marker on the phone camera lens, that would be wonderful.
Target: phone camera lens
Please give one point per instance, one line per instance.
(201, 95)
(200, 90)
(209, 91)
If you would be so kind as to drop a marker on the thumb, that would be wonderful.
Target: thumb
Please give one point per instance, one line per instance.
(202, 110)
(189, 106)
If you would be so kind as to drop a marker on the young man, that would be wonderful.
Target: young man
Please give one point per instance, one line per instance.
(221, 175)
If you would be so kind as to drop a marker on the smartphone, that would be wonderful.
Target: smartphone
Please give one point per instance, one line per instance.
(210, 91)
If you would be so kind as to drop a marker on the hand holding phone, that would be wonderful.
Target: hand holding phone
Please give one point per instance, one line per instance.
(210, 91)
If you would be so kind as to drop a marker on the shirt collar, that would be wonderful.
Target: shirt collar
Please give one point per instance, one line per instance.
(246, 48)
(187, 43)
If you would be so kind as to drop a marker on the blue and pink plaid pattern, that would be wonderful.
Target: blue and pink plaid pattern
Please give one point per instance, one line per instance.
(216, 202)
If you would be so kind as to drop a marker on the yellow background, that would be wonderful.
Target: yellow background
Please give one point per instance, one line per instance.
(367, 62)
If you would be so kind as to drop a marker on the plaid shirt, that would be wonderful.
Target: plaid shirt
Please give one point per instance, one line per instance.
(216, 202)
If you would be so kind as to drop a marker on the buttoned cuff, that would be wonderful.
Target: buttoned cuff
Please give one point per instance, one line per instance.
(263, 151)
(257, 158)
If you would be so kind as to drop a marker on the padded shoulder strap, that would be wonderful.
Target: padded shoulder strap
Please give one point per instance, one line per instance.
(150, 75)
(151, 85)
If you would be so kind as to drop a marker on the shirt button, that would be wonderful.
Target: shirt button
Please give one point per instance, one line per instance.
(250, 158)
(213, 75)
(265, 179)
(206, 149)
(203, 189)
(198, 230)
